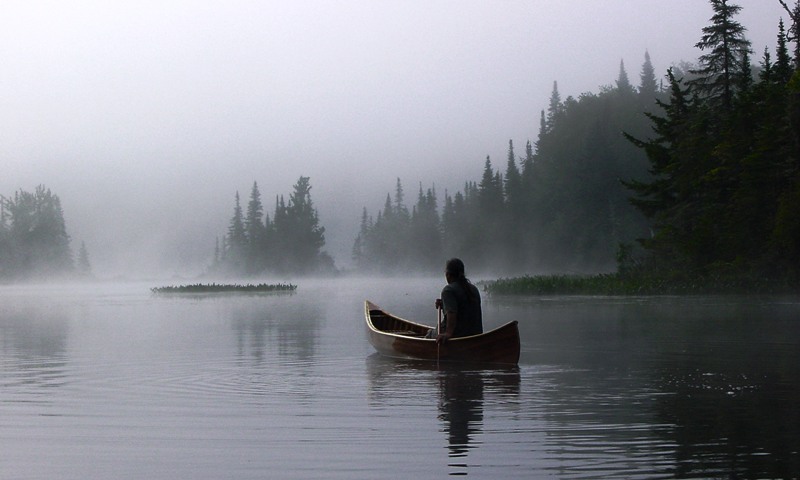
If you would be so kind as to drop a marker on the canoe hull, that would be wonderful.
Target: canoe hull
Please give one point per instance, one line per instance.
(396, 337)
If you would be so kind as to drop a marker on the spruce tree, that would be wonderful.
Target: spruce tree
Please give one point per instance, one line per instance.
(255, 231)
(663, 199)
(513, 180)
(305, 236)
(783, 64)
(253, 222)
(623, 82)
(555, 108)
(84, 265)
(725, 42)
(236, 253)
(648, 86)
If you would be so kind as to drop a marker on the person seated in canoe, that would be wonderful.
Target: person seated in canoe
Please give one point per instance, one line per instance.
(461, 304)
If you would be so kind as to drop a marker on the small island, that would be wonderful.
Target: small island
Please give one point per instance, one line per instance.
(225, 288)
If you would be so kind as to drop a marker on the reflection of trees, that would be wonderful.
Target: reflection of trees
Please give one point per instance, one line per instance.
(33, 344)
(288, 329)
(734, 407)
(712, 383)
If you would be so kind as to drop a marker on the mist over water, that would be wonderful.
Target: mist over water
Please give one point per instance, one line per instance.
(100, 381)
(147, 119)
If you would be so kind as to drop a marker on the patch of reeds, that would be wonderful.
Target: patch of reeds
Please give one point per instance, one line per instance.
(217, 288)
(616, 284)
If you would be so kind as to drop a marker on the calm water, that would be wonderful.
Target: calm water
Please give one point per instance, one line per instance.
(100, 382)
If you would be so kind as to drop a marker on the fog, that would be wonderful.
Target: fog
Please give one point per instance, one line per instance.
(146, 117)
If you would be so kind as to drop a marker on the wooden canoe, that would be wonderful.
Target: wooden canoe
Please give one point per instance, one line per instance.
(396, 337)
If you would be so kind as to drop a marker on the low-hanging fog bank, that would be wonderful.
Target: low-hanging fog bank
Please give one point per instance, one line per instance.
(146, 119)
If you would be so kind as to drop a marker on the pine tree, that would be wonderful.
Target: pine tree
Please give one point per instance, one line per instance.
(400, 209)
(725, 42)
(623, 82)
(490, 191)
(360, 250)
(253, 222)
(5, 241)
(766, 75)
(783, 64)
(305, 235)
(256, 233)
(425, 232)
(648, 86)
(235, 255)
(513, 180)
(555, 108)
(663, 199)
(84, 265)
(745, 76)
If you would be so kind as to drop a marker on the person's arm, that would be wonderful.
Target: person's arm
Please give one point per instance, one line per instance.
(452, 320)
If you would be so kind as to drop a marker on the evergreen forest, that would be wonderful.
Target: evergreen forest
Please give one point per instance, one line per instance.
(693, 175)
(288, 242)
(33, 238)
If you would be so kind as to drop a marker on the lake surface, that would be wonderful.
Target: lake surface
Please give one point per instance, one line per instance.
(110, 381)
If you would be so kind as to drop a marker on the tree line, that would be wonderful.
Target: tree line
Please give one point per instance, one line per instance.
(289, 241)
(557, 205)
(724, 198)
(694, 175)
(34, 243)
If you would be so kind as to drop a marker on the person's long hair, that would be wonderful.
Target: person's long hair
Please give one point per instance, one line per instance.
(455, 267)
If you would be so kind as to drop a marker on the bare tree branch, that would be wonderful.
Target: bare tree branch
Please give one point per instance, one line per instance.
(794, 15)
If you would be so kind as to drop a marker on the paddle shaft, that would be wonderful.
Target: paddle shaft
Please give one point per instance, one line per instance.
(438, 327)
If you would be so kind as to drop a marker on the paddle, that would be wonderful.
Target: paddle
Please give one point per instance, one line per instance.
(438, 328)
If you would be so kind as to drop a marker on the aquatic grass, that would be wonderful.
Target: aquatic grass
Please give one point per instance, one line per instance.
(217, 288)
(626, 284)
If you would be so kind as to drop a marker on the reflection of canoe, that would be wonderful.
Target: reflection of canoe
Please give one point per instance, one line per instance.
(395, 337)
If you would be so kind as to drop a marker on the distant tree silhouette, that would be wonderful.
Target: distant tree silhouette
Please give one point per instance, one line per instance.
(289, 242)
(84, 266)
(648, 85)
(623, 82)
(33, 236)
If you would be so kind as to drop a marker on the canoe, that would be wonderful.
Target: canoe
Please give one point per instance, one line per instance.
(396, 337)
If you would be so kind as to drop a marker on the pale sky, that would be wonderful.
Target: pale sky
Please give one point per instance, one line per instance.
(146, 117)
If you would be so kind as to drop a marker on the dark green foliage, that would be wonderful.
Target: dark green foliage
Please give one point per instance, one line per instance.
(725, 169)
(219, 288)
(618, 284)
(290, 242)
(726, 47)
(33, 236)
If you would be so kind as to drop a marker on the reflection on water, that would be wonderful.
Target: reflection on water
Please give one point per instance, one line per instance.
(461, 410)
(116, 383)
(32, 348)
(282, 331)
(461, 393)
(700, 386)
